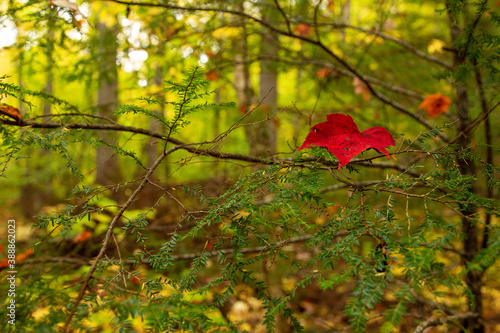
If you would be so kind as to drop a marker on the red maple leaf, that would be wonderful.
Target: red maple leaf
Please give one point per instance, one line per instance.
(340, 135)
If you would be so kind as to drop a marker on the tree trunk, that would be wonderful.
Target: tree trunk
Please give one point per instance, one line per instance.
(345, 16)
(151, 149)
(467, 168)
(266, 132)
(37, 191)
(261, 137)
(107, 164)
(241, 73)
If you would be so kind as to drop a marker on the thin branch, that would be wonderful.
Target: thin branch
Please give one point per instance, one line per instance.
(285, 17)
(207, 152)
(109, 234)
(443, 321)
(401, 42)
(476, 122)
(187, 256)
(384, 99)
(375, 81)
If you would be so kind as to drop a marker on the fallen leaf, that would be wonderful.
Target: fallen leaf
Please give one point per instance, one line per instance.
(435, 104)
(360, 88)
(82, 237)
(11, 111)
(341, 136)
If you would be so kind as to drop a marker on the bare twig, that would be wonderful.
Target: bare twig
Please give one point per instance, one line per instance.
(401, 42)
(384, 99)
(443, 321)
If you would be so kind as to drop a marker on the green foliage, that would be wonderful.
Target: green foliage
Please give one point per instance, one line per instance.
(380, 238)
(369, 246)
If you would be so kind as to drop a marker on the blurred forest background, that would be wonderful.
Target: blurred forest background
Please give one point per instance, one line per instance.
(149, 155)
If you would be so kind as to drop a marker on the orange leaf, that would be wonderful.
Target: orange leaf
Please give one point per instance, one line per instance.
(135, 279)
(435, 104)
(11, 111)
(23, 256)
(82, 237)
(360, 88)
(302, 29)
(212, 76)
(324, 72)
(243, 109)
(4, 262)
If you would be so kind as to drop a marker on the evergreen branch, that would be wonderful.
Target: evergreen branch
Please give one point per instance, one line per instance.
(83, 115)
(471, 28)
(191, 147)
(109, 234)
(187, 256)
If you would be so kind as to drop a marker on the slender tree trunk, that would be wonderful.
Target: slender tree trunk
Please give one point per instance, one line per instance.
(151, 150)
(107, 164)
(261, 137)
(37, 191)
(241, 73)
(29, 200)
(345, 16)
(473, 277)
(266, 138)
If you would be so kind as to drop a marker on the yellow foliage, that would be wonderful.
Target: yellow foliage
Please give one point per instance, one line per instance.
(138, 323)
(320, 220)
(167, 291)
(40, 313)
(226, 32)
(100, 321)
(435, 46)
(288, 283)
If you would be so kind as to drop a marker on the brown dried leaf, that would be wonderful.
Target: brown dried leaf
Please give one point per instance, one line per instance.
(11, 112)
